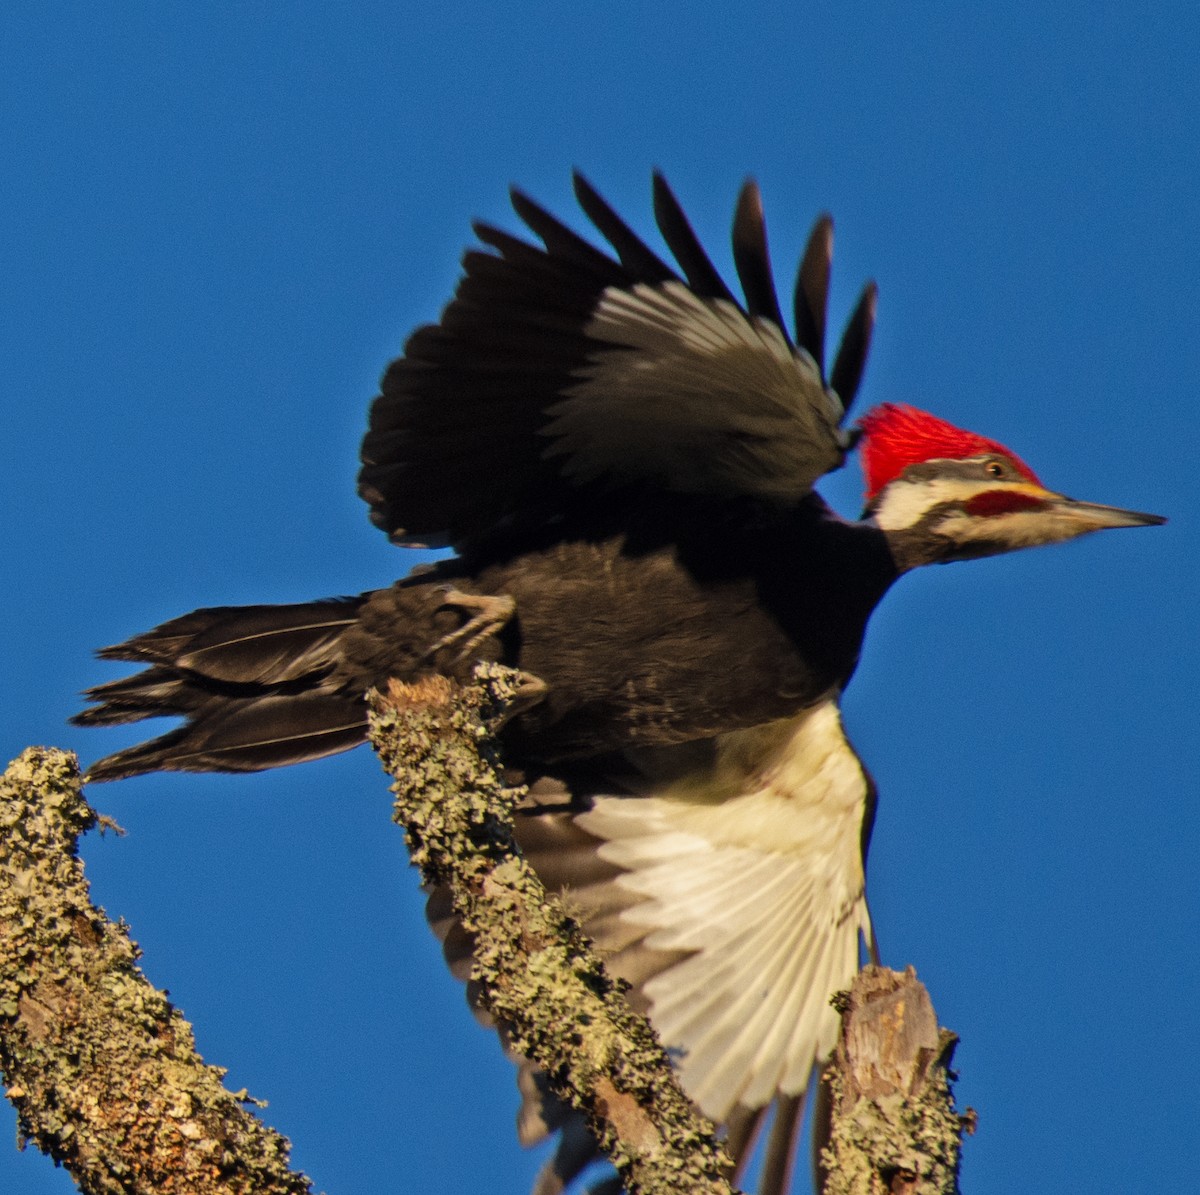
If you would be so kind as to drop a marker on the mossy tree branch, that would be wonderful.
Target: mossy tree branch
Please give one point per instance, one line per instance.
(102, 1069)
(537, 974)
(105, 1078)
(891, 1125)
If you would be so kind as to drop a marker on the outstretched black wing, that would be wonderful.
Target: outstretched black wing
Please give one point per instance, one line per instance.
(562, 380)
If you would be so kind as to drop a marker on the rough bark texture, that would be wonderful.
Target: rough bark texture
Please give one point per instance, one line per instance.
(101, 1068)
(105, 1078)
(537, 976)
(893, 1129)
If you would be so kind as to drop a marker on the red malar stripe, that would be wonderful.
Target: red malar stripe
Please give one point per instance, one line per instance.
(1001, 502)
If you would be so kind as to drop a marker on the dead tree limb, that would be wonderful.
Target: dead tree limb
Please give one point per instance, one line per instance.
(892, 1128)
(537, 974)
(102, 1069)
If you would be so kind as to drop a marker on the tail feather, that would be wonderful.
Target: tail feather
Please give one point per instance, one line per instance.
(245, 644)
(151, 694)
(259, 687)
(269, 732)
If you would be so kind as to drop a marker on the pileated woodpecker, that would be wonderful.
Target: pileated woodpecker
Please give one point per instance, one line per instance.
(624, 461)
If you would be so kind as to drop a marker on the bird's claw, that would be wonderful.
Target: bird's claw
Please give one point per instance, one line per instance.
(488, 614)
(530, 691)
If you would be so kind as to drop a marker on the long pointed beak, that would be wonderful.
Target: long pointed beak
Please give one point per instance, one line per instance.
(1091, 516)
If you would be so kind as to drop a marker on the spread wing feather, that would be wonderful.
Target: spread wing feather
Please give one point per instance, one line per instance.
(702, 276)
(812, 292)
(751, 258)
(730, 895)
(851, 358)
(562, 381)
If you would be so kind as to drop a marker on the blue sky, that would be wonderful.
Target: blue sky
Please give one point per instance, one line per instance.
(222, 220)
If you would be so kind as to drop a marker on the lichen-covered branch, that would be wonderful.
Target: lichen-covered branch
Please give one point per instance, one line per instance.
(892, 1127)
(102, 1069)
(537, 974)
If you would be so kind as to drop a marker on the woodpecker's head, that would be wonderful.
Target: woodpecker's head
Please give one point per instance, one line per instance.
(941, 493)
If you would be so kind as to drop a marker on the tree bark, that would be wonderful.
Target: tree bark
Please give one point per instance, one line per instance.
(891, 1127)
(103, 1071)
(536, 973)
(105, 1077)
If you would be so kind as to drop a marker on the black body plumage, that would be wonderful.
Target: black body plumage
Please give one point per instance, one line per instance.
(639, 642)
(659, 600)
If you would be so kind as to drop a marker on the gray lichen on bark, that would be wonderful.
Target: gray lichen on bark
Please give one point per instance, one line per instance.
(105, 1077)
(893, 1127)
(536, 972)
(101, 1068)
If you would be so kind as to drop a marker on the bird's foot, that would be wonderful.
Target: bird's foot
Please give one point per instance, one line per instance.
(487, 615)
(530, 691)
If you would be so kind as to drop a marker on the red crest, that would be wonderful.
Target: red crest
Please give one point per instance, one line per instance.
(896, 436)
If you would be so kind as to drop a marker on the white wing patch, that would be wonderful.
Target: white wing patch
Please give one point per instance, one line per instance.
(756, 868)
(693, 395)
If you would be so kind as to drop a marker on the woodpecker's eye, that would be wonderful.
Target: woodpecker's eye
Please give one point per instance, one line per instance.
(994, 469)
